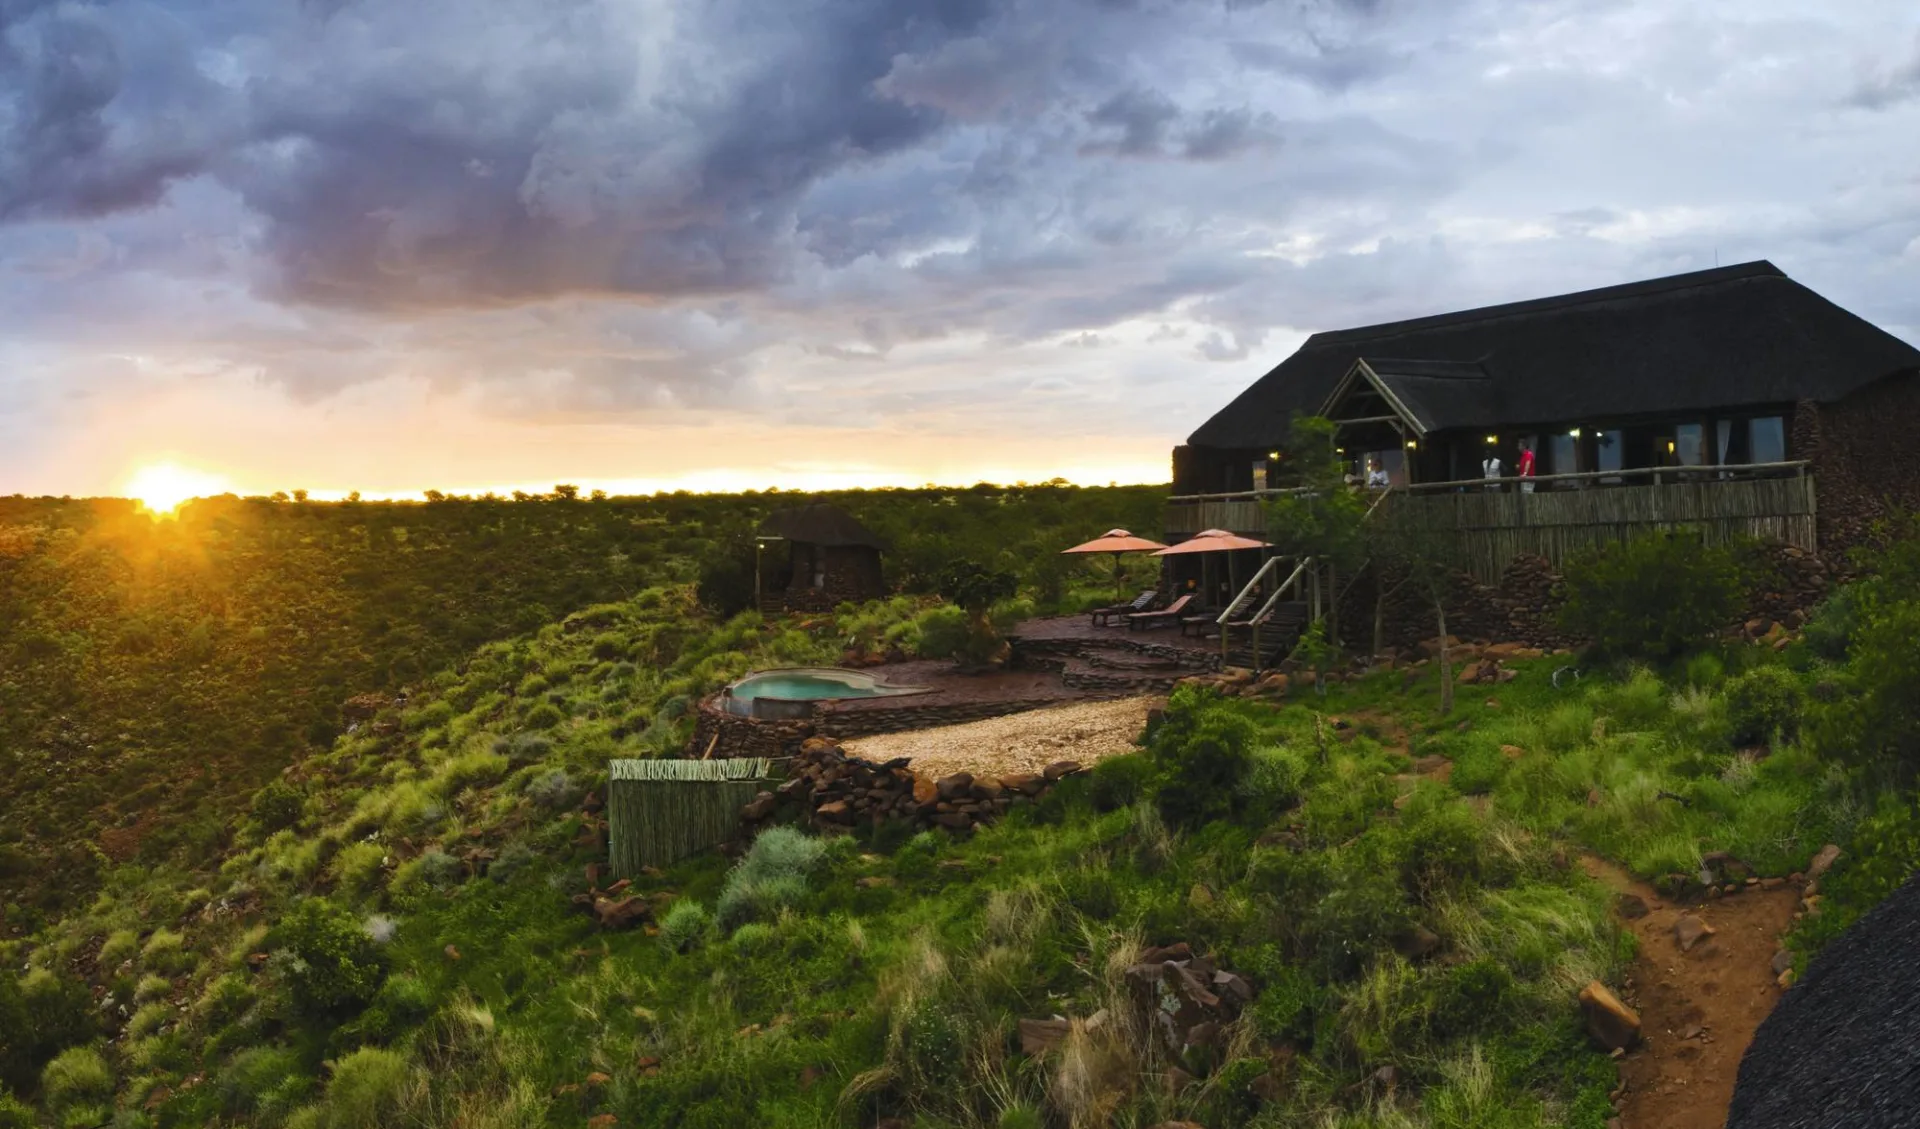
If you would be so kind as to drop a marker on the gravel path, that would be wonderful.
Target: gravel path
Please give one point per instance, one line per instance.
(1021, 742)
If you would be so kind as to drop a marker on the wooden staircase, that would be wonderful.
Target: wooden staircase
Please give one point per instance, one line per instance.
(1260, 644)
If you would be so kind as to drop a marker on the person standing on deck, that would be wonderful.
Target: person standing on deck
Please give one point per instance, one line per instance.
(1492, 469)
(1376, 475)
(1526, 468)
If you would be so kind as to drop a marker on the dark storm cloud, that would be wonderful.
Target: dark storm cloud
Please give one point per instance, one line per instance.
(1890, 85)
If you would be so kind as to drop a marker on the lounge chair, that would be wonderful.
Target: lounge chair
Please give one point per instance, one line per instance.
(1169, 614)
(1201, 623)
(1140, 603)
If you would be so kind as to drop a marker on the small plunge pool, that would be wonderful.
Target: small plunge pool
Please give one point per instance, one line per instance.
(791, 691)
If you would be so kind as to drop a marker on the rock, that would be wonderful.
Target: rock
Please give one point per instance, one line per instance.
(835, 811)
(1274, 684)
(873, 881)
(1428, 765)
(452, 953)
(954, 820)
(1689, 930)
(1418, 943)
(760, 807)
(1232, 989)
(1025, 783)
(620, 914)
(1612, 1024)
(1038, 1036)
(602, 1121)
(924, 791)
(1059, 770)
(1630, 906)
(954, 787)
(988, 790)
(1785, 979)
(1160, 954)
(1512, 752)
(1782, 960)
(1199, 897)
(1823, 862)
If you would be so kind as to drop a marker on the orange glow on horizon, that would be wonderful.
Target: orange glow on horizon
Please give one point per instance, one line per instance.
(162, 487)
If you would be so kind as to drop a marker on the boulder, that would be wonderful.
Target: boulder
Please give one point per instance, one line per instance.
(1630, 906)
(1417, 943)
(834, 811)
(1512, 752)
(1059, 770)
(622, 913)
(760, 807)
(924, 791)
(1823, 862)
(1038, 1036)
(954, 787)
(954, 820)
(1612, 1024)
(1025, 783)
(1689, 931)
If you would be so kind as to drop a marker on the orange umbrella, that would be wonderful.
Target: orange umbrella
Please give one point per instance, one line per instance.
(1212, 541)
(1116, 541)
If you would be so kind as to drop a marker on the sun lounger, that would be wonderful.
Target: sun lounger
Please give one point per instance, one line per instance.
(1101, 616)
(1170, 614)
(1201, 624)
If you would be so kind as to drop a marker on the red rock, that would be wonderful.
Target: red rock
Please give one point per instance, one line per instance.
(954, 787)
(1689, 931)
(452, 953)
(1823, 862)
(620, 914)
(1059, 769)
(1612, 1024)
(1038, 1036)
(838, 811)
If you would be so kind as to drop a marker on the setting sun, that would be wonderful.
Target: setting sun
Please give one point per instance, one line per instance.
(162, 487)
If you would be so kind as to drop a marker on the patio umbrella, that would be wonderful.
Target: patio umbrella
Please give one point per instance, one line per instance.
(1214, 541)
(1116, 541)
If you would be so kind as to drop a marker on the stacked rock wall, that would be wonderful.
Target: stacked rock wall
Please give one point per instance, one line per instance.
(828, 789)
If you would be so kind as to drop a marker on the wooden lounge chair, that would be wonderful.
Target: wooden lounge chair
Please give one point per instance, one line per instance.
(1169, 614)
(1200, 624)
(1101, 616)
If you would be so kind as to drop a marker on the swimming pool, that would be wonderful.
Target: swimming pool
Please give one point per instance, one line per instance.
(788, 691)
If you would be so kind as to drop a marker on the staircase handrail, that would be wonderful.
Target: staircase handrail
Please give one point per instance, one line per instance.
(1273, 601)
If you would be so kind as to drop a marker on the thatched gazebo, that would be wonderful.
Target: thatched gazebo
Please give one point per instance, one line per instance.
(813, 557)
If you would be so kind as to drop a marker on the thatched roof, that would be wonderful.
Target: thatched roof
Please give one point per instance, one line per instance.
(1839, 1048)
(1730, 337)
(819, 524)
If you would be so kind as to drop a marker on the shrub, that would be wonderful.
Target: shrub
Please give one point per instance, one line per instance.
(1272, 782)
(225, 999)
(119, 946)
(514, 860)
(148, 1020)
(334, 967)
(165, 952)
(1201, 754)
(544, 716)
(1651, 597)
(554, 790)
(682, 926)
(1119, 782)
(1764, 703)
(357, 867)
(151, 987)
(77, 1077)
(263, 1080)
(15, 1114)
(469, 770)
(433, 715)
(941, 632)
(1830, 630)
(39, 1016)
(773, 875)
(726, 582)
(370, 1089)
(278, 805)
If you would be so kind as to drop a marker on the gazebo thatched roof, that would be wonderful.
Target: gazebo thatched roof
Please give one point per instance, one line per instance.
(819, 523)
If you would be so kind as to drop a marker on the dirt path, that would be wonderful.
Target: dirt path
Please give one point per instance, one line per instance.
(1020, 742)
(1698, 1009)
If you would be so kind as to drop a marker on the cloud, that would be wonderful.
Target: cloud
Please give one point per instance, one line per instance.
(1890, 86)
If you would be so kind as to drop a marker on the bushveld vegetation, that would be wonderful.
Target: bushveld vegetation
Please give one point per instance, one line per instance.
(388, 938)
(154, 674)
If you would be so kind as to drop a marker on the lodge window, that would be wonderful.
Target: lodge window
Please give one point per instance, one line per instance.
(1766, 440)
(1689, 445)
(1609, 453)
(1563, 455)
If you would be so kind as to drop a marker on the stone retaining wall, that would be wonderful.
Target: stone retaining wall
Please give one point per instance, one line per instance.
(829, 790)
(720, 734)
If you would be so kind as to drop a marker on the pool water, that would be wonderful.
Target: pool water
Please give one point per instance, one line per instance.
(807, 685)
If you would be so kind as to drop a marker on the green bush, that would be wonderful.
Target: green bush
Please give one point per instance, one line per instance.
(1120, 782)
(1201, 754)
(1830, 630)
(546, 715)
(264, 1081)
(772, 875)
(78, 1077)
(1882, 855)
(469, 770)
(166, 953)
(335, 967)
(15, 1114)
(941, 632)
(1652, 597)
(1272, 782)
(683, 925)
(356, 868)
(370, 1089)
(278, 805)
(1764, 703)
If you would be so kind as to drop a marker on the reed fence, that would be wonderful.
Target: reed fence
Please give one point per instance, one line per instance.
(661, 811)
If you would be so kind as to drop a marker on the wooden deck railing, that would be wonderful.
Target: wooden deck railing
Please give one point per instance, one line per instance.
(1568, 513)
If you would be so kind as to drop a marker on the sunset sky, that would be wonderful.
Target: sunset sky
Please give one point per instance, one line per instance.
(742, 243)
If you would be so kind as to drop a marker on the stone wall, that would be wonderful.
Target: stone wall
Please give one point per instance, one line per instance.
(828, 789)
(1522, 608)
(720, 734)
(1862, 455)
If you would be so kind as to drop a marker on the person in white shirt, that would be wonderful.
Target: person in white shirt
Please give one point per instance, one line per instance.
(1492, 469)
(1376, 475)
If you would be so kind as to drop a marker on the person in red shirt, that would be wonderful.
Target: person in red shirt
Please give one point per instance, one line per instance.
(1526, 467)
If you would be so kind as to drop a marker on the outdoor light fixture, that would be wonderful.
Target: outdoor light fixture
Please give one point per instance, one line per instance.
(1411, 444)
(1274, 455)
(1669, 446)
(1575, 433)
(1493, 439)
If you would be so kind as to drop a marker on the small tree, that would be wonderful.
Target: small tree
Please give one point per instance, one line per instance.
(1426, 558)
(974, 589)
(1652, 597)
(1324, 520)
(566, 492)
(1875, 718)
